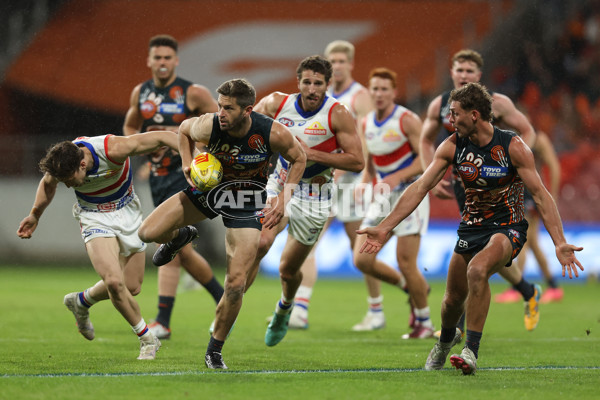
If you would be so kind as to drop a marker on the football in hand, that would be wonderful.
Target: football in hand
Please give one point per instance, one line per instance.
(206, 171)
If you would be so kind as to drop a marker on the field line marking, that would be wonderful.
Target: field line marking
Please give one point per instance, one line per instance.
(281, 372)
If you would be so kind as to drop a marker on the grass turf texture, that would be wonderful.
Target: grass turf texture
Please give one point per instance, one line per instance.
(44, 357)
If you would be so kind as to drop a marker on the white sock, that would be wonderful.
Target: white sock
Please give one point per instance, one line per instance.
(141, 329)
(422, 315)
(375, 304)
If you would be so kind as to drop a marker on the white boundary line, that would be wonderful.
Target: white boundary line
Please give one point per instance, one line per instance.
(274, 372)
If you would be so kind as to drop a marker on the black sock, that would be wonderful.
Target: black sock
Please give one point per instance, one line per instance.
(525, 288)
(165, 307)
(472, 342)
(447, 335)
(214, 345)
(461, 323)
(552, 283)
(215, 289)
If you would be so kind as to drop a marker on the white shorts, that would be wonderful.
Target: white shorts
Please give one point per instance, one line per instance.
(345, 207)
(307, 219)
(122, 224)
(382, 205)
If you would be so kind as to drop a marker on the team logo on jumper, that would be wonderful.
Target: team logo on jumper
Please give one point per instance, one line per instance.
(176, 93)
(286, 122)
(468, 171)
(493, 172)
(315, 129)
(256, 142)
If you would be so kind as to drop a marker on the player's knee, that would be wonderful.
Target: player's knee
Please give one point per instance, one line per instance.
(263, 247)
(114, 285)
(145, 233)
(134, 289)
(476, 274)
(235, 286)
(362, 262)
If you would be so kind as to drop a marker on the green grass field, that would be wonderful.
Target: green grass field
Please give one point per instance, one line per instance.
(43, 356)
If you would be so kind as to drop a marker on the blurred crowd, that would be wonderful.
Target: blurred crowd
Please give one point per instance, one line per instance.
(557, 83)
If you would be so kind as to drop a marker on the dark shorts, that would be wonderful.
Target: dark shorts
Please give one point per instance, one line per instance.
(249, 215)
(472, 239)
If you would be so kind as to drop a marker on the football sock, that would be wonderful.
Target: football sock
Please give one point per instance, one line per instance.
(141, 329)
(284, 306)
(302, 299)
(215, 289)
(461, 323)
(472, 342)
(525, 288)
(422, 315)
(447, 334)
(402, 283)
(552, 283)
(85, 299)
(165, 307)
(375, 304)
(214, 345)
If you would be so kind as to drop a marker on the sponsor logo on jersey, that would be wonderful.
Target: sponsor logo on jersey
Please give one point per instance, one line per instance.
(176, 92)
(493, 172)
(391, 136)
(286, 121)
(171, 108)
(315, 129)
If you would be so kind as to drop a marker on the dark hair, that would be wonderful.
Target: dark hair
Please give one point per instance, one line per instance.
(383, 73)
(240, 89)
(468, 55)
(316, 64)
(62, 160)
(474, 96)
(163, 40)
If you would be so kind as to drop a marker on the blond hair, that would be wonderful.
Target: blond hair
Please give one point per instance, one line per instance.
(340, 46)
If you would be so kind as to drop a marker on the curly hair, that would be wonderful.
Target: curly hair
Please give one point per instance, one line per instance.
(62, 160)
(474, 96)
(316, 64)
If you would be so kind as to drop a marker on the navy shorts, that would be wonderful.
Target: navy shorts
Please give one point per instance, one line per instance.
(472, 239)
(246, 216)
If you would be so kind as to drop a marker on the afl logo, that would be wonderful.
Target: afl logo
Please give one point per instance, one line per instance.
(468, 171)
(286, 121)
(498, 153)
(148, 109)
(256, 142)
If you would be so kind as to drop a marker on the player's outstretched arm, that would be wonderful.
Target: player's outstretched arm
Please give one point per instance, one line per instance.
(522, 159)
(43, 197)
(410, 198)
(121, 147)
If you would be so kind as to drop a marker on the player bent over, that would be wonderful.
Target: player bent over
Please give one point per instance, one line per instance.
(109, 212)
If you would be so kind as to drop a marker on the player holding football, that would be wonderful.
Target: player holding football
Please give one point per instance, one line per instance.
(109, 212)
(324, 127)
(243, 141)
(494, 165)
(163, 102)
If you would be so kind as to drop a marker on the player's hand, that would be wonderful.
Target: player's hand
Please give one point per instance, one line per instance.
(186, 173)
(273, 212)
(27, 227)
(376, 237)
(443, 190)
(566, 256)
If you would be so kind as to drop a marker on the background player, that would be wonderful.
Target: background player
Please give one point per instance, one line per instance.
(162, 103)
